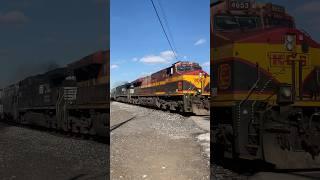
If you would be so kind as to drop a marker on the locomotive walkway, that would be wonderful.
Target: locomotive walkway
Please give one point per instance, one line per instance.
(156, 145)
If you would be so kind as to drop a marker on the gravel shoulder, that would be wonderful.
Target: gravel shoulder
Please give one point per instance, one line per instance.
(156, 145)
(30, 154)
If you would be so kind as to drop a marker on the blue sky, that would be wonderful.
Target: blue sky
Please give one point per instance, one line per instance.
(138, 45)
(306, 14)
(36, 34)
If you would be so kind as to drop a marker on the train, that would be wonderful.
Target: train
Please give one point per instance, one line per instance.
(266, 86)
(72, 99)
(183, 87)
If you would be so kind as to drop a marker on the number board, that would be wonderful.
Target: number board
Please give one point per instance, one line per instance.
(239, 4)
(281, 59)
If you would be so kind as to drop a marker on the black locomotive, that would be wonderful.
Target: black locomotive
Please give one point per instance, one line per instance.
(71, 99)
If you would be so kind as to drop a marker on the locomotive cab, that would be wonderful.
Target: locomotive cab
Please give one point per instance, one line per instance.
(234, 15)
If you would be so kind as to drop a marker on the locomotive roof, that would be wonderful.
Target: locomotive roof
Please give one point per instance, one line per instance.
(98, 57)
(187, 62)
(255, 6)
(142, 78)
(59, 72)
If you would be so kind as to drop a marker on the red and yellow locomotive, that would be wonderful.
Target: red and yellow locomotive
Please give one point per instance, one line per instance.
(266, 103)
(182, 87)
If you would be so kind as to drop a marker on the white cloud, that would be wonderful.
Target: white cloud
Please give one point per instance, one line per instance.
(169, 55)
(13, 17)
(152, 59)
(114, 66)
(163, 58)
(206, 64)
(135, 59)
(200, 41)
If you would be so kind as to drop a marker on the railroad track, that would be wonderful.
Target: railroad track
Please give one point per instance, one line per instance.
(186, 114)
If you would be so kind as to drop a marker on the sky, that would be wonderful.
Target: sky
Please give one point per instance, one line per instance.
(38, 35)
(138, 44)
(306, 14)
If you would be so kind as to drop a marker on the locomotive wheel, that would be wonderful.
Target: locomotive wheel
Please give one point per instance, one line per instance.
(84, 125)
(22, 119)
(74, 125)
(218, 153)
(99, 125)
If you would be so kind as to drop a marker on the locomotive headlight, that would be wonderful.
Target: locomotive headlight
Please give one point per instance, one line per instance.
(290, 38)
(285, 94)
(198, 91)
(245, 112)
(290, 42)
(289, 46)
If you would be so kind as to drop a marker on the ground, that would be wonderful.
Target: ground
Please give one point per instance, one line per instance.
(157, 145)
(145, 144)
(153, 144)
(29, 154)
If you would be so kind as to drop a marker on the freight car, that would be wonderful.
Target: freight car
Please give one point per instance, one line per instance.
(71, 99)
(182, 87)
(266, 85)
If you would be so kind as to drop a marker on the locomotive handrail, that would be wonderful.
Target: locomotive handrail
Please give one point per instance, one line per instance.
(253, 86)
(249, 94)
(318, 76)
(60, 98)
(305, 32)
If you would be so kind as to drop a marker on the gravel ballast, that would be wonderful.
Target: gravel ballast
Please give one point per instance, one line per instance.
(32, 154)
(156, 145)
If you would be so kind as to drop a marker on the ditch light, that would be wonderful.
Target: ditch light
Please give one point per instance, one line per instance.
(285, 94)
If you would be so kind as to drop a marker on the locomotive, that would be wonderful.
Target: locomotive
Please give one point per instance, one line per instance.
(70, 99)
(182, 87)
(266, 86)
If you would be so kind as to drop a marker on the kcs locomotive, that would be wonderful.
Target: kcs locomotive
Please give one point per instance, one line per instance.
(266, 80)
(71, 99)
(182, 87)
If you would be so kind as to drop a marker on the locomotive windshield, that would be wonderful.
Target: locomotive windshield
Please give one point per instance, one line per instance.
(188, 67)
(237, 22)
(276, 22)
(226, 22)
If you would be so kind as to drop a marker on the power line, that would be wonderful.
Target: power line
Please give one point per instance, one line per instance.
(164, 31)
(167, 25)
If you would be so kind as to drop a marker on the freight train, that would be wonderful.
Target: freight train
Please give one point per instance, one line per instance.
(266, 86)
(70, 99)
(183, 87)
